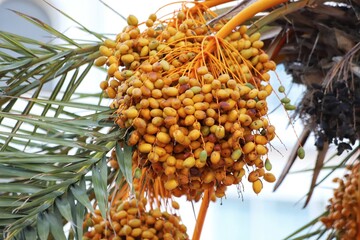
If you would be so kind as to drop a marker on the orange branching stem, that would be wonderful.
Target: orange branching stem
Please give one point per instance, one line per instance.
(201, 215)
(213, 3)
(246, 14)
(208, 4)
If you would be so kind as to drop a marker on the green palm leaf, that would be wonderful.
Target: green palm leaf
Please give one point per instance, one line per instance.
(47, 150)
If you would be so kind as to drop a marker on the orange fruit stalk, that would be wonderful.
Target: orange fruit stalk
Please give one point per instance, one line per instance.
(201, 215)
(246, 14)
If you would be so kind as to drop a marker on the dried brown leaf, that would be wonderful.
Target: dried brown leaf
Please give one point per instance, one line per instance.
(302, 139)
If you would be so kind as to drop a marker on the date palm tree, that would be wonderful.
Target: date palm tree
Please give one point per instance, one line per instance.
(56, 147)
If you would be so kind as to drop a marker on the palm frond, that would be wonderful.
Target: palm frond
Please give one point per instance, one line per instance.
(308, 227)
(50, 175)
(318, 167)
(293, 156)
(51, 141)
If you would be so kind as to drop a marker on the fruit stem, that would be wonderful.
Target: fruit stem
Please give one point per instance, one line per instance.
(208, 4)
(201, 215)
(213, 3)
(246, 14)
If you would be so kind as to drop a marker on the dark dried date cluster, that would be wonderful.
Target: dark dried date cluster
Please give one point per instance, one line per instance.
(336, 112)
